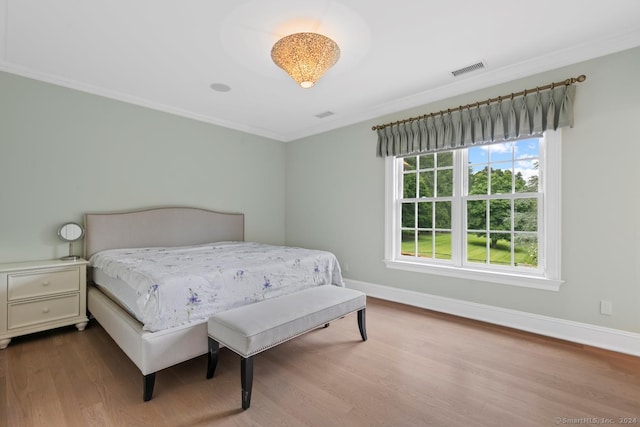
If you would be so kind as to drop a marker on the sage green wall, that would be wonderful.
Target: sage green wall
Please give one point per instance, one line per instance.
(64, 153)
(335, 200)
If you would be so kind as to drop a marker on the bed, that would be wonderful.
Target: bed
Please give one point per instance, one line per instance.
(147, 234)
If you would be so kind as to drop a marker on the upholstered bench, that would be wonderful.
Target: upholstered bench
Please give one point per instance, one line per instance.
(250, 329)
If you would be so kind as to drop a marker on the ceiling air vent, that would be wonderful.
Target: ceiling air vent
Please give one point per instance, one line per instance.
(468, 69)
(325, 114)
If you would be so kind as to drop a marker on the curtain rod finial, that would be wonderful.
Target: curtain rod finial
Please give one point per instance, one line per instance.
(581, 78)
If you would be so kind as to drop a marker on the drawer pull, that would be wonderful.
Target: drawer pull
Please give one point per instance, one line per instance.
(47, 283)
(45, 310)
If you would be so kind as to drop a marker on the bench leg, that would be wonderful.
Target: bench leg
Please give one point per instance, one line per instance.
(246, 378)
(212, 357)
(147, 386)
(362, 324)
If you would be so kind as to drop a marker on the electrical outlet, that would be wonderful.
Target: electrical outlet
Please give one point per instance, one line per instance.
(606, 307)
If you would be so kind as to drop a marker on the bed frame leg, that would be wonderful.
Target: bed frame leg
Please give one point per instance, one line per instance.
(212, 357)
(147, 387)
(246, 378)
(362, 324)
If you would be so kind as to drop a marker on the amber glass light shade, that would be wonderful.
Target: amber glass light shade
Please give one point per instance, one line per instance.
(305, 56)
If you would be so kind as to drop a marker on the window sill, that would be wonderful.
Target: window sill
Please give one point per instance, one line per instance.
(527, 281)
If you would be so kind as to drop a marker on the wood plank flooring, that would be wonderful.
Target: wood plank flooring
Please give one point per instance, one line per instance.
(418, 368)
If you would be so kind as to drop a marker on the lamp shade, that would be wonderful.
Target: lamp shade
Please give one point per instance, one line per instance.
(305, 56)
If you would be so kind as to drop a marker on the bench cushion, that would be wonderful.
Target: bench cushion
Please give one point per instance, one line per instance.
(253, 328)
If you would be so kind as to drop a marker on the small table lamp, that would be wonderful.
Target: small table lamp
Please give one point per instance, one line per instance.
(70, 232)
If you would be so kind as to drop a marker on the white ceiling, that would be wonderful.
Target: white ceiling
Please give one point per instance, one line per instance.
(165, 54)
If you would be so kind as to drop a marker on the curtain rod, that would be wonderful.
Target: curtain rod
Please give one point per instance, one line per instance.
(489, 101)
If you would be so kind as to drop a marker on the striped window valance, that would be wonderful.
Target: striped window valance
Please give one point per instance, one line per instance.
(516, 116)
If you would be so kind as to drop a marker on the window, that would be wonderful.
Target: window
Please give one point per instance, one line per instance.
(489, 212)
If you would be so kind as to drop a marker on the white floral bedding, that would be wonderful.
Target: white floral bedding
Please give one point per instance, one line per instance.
(176, 285)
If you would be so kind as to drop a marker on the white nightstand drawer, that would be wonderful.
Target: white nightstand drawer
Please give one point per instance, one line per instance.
(39, 283)
(41, 311)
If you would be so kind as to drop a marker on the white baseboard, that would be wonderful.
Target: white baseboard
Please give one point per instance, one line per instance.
(583, 333)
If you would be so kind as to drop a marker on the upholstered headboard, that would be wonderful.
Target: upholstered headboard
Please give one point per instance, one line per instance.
(166, 226)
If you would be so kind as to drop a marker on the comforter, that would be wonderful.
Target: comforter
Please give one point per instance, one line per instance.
(178, 285)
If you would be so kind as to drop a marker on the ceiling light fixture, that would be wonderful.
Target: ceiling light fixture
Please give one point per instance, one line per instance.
(305, 56)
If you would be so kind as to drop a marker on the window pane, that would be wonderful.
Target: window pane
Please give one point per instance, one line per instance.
(526, 250)
(476, 248)
(409, 185)
(426, 161)
(501, 152)
(527, 148)
(531, 174)
(477, 215)
(526, 176)
(445, 183)
(409, 163)
(525, 216)
(500, 214)
(408, 215)
(408, 246)
(445, 159)
(425, 244)
(479, 154)
(426, 184)
(425, 215)
(500, 248)
(519, 182)
(443, 215)
(501, 179)
(478, 181)
(443, 245)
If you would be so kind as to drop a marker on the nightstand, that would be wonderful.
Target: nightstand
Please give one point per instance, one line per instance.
(40, 295)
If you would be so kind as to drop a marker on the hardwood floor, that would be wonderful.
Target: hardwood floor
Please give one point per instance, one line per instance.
(417, 368)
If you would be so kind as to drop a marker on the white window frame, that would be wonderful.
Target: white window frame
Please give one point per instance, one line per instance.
(548, 277)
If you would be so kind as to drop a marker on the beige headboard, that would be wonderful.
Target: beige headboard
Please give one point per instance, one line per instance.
(167, 226)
